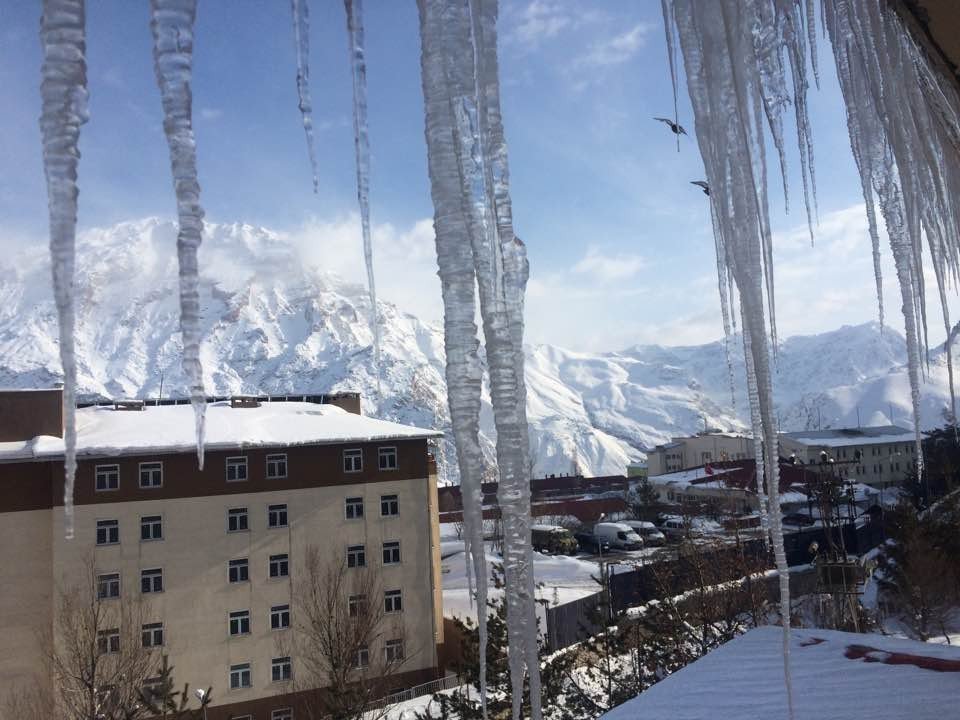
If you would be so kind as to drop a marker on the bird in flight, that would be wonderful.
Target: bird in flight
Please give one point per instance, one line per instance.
(676, 128)
(702, 184)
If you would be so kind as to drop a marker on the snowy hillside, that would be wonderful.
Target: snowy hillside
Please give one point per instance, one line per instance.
(274, 325)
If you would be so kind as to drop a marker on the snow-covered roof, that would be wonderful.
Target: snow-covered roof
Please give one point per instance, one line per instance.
(834, 675)
(170, 428)
(684, 478)
(847, 437)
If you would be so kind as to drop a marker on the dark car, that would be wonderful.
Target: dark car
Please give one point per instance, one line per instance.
(797, 518)
(591, 543)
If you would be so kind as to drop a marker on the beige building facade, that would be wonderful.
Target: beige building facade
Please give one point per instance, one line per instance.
(214, 555)
(683, 453)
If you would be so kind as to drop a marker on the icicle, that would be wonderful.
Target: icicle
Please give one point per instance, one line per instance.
(301, 42)
(63, 90)
(358, 67)
(171, 23)
(812, 39)
(668, 26)
(458, 288)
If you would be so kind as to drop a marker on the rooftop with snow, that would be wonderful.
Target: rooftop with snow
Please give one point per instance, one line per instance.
(170, 429)
(845, 437)
(834, 675)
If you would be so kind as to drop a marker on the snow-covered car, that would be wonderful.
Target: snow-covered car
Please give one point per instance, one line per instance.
(620, 536)
(648, 532)
(553, 539)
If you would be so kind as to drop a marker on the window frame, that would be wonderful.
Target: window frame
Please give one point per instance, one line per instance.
(281, 663)
(242, 566)
(356, 603)
(151, 521)
(276, 508)
(151, 630)
(110, 526)
(393, 601)
(241, 617)
(354, 454)
(110, 639)
(394, 502)
(140, 470)
(278, 714)
(348, 506)
(98, 469)
(242, 671)
(239, 512)
(281, 612)
(356, 556)
(233, 461)
(393, 644)
(282, 562)
(111, 578)
(151, 574)
(362, 659)
(387, 452)
(391, 546)
(274, 458)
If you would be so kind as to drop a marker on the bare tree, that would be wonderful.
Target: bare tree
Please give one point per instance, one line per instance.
(347, 645)
(94, 664)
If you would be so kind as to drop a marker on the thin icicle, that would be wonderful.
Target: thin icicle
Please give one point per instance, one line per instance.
(668, 27)
(63, 91)
(301, 43)
(358, 68)
(171, 22)
(812, 39)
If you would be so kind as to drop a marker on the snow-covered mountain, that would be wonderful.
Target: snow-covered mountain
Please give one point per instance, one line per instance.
(275, 325)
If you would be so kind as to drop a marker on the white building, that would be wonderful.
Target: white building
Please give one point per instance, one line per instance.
(682, 453)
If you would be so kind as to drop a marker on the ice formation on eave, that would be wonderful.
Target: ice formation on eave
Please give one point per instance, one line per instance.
(63, 90)
(361, 139)
(171, 22)
(477, 251)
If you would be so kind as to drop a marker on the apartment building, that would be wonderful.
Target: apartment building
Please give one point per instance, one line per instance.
(683, 453)
(216, 553)
(878, 456)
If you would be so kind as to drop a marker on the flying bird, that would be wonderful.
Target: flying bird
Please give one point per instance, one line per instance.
(676, 128)
(702, 184)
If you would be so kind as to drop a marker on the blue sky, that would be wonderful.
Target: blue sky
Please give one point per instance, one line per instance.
(619, 242)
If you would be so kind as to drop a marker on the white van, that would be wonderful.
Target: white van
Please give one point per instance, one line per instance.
(620, 536)
(647, 531)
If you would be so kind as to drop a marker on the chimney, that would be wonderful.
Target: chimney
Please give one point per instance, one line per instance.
(25, 414)
(349, 401)
(244, 401)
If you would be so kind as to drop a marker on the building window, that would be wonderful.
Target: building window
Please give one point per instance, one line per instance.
(152, 634)
(237, 520)
(389, 505)
(280, 669)
(240, 676)
(239, 570)
(362, 659)
(388, 458)
(282, 714)
(108, 532)
(151, 527)
(108, 586)
(391, 552)
(356, 556)
(392, 601)
(279, 617)
(236, 469)
(394, 650)
(277, 516)
(108, 477)
(279, 566)
(108, 641)
(356, 605)
(276, 466)
(354, 508)
(352, 460)
(151, 581)
(151, 474)
(240, 622)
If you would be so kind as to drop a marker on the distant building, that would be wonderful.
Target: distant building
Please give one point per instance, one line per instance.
(218, 549)
(682, 453)
(887, 452)
(638, 470)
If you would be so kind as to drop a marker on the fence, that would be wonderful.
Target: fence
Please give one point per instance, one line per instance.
(427, 688)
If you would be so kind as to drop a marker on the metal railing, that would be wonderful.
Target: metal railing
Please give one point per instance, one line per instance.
(427, 688)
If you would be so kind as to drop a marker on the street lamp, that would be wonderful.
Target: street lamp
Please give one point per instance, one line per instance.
(200, 696)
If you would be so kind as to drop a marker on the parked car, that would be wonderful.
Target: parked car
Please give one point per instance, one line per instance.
(648, 532)
(620, 536)
(797, 518)
(591, 543)
(676, 528)
(553, 539)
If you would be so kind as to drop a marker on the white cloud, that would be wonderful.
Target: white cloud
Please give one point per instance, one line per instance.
(211, 113)
(540, 20)
(617, 49)
(605, 268)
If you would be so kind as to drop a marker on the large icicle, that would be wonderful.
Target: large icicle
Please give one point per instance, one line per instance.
(459, 69)
(63, 90)
(458, 286)
(301, 45)
(358, 70)
(171, 23)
